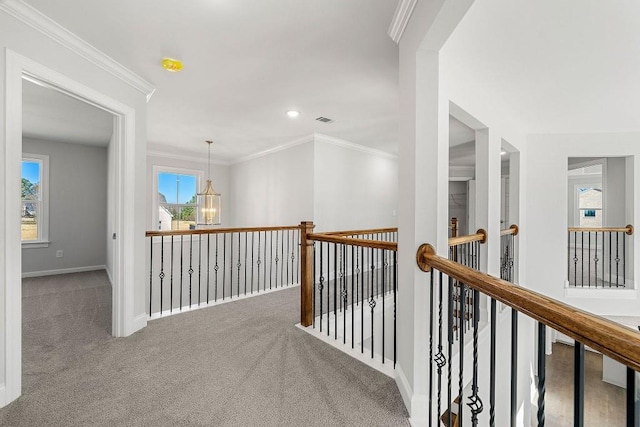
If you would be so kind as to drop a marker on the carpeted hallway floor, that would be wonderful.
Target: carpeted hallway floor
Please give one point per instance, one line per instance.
(237, 364)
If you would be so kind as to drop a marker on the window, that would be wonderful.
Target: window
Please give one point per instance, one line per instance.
(590, 205)
(176, 196)
(34, 226)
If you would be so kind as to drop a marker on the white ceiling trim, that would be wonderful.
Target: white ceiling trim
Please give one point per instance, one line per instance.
(35, 19)
(190, 158)
(300, 141)
(353, 146)
(401, 19)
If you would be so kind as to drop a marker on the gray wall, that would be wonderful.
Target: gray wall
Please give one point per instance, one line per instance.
(77, 207)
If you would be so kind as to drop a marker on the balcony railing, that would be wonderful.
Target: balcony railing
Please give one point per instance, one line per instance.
(454, 366)
(195, 268)
(349, 289)
(597, 257)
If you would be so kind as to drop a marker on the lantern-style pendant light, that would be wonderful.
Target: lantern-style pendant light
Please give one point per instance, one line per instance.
(209, 200)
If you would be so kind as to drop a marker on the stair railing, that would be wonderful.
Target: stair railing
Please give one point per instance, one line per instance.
(195, 268)
(349, 288)
(597, 257)
(611, 339)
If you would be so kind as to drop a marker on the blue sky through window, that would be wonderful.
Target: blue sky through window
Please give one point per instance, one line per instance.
(31, 171)
(177, 188)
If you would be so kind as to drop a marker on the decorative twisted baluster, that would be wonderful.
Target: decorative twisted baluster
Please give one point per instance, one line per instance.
(475, 403)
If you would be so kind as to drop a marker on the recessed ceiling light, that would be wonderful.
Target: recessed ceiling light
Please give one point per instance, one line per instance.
(172, 65)
(293, 113)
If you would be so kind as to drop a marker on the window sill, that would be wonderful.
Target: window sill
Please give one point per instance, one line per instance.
(35, 244)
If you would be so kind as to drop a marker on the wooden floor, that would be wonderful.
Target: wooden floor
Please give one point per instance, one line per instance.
(604, 403)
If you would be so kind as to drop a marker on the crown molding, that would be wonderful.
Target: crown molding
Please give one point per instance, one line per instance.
(186, 157)
(401, 19)
(352, 146)
(42, 23)
(294, 143)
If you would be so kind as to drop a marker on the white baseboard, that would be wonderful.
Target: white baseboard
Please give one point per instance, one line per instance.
(139, 322)
(64, 271)
(405, 388)
(3, 396)
(109, 276)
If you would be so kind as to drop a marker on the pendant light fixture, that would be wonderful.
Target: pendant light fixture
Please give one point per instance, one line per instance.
(209, 200)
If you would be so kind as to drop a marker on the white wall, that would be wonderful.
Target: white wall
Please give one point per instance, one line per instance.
(546, 207)
(111, 200)
(354, 188)
(274, 189)
(220, 177)
(22, 45)
(77, 207)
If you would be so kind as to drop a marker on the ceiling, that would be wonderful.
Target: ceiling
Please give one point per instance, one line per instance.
(54, 116)
(568, 66)
(246, 63)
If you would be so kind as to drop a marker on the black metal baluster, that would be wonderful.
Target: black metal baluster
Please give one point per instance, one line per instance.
(271, 254)
(190, 271)
(589, 270)
(578, 385)
(362, 303)
(610, 281)
(246, 250)
(224, 263)
(632, 414)
(450, 316)
(171, 279)
(335, 291)
(328, 288)
(395, 288)
(575, 257)
(542, 346)
(181, 266)
(208, 265)
(259, 262)
(216, 267)
(199, 266)
(264, 285)
(431, 314)
(462, 313)
(277, 259)
(284, 260)
(314, 298)
(230, 266)
(282, 257)
(475, 403)
(357, 276)
(617, 259)
(596, 260)
(321, 285)
(239, 264)
(150, 273)
(372, 301)
(353, 338)
(383, 298)
(514, 366)
(624, 259)
(343, 286)
(253, 236)
(492, 367)
(161, 275)
(439, 357)
(582, 260)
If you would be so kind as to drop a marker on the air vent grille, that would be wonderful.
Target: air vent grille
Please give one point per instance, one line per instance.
(324, 119)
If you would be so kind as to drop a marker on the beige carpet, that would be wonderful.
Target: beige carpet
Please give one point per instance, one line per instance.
(237, 364)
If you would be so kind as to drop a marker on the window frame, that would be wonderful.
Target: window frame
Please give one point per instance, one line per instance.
(157, 169)
(43, 210)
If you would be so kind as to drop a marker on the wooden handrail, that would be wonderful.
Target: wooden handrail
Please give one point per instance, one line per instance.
(480, 236)
(628, 229)
(511, 230)
(361, 232)
(218, 230)
(376, 244)
(618, 342)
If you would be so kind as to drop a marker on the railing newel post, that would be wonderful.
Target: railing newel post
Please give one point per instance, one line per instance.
(306, 270)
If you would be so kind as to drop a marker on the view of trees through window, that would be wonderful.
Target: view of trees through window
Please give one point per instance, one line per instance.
(30, 194)
(176, 201)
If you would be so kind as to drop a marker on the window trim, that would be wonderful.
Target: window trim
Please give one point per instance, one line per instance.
(199, 174)
(43, 226)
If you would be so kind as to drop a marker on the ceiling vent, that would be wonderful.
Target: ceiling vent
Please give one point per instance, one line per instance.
(324, 119)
